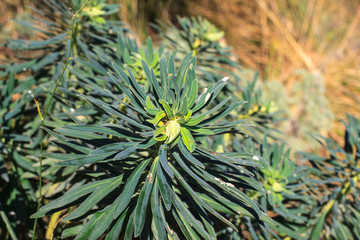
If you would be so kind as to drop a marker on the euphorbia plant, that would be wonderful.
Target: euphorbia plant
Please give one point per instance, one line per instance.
(204, 40)
(214, 60)
(152, 178)
(285, 198)
(336, 184)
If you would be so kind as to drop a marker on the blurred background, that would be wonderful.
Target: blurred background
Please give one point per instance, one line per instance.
(307, 52)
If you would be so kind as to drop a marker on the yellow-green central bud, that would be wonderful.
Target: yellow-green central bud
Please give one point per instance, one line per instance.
(277, 187)
(172, 131)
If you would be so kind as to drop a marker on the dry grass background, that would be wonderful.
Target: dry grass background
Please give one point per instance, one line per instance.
(14, 10)
(275, 37)
(278, 37)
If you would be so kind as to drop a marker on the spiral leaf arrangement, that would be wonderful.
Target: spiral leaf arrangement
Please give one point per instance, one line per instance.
(154, 175)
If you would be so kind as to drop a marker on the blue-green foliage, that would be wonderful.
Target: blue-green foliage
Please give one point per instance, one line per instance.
(168, 142)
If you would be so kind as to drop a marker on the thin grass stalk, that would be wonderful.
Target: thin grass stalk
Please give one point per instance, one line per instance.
(47, 107)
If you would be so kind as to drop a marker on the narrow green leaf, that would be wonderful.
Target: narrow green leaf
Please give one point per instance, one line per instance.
(159, 131)
(189, 219)
(151, 77)
(149, 104)
(186, 118)
(157, 224)
(157, 118)
(171, 66)
(94, 198)
(129, 188)
(72, 195)
(198, 179)
(115, 231)
(203, 131)
(129, 231)
(108, 129)
(183, 107)
(203, 98)
(104, 222)
(221, 114)
(160, 138)
(150, 51)
(188, 156)
(125, 153)
(218, 87)
(165, 189)
(116, 146)
(193, 94)
(190, 78)
(218, 106)
(127, 92)
(181, 225)
(67, 142)
(87, 159)
(187, 139)
(143, 199)
(195, 120)
(183, 69)
(135, 84)
(152, 111)
(170, 95)
(72, 231)
(111, 111)
(164, 160)
(88, 229)
(167, 109)
(200, 201)
(163, 76)
(317, 229)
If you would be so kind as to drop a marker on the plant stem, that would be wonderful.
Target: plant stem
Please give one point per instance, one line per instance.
(58, 81)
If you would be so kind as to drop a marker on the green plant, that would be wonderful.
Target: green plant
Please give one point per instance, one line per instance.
(336, 185)
(263, 115)
(84, 75)
(25, 86)
(19, 141)
(203, 39)
(284, 197)
(216, 59)
(148, 159)
(152, 142)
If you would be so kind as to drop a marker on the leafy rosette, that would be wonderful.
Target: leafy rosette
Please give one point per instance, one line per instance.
(205, 41)
(151, 176)
(284, 182)
(336, 184)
